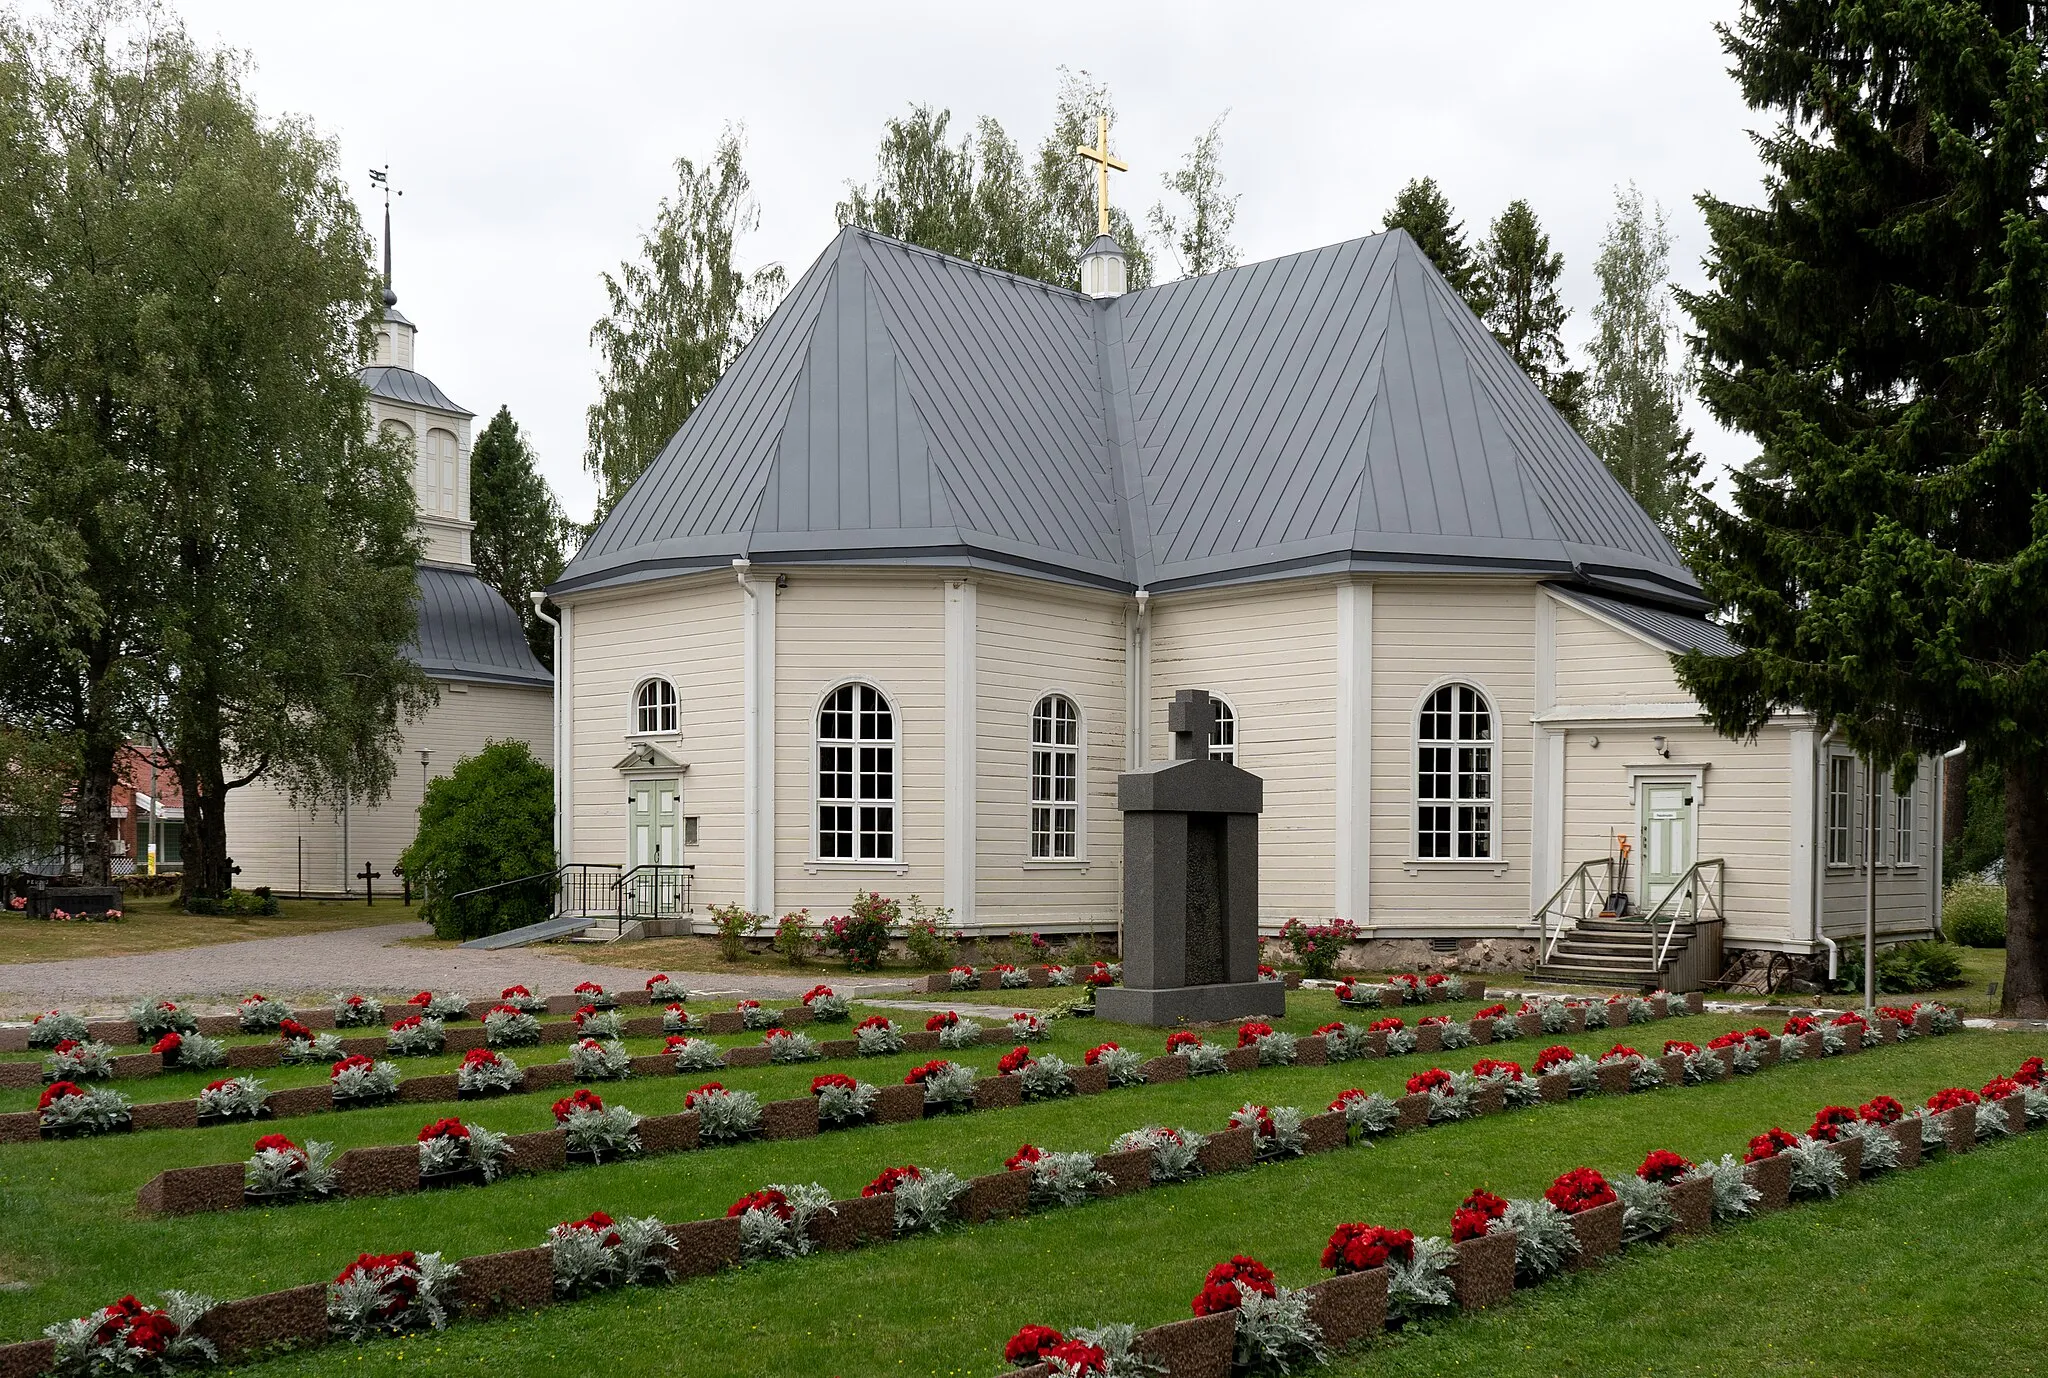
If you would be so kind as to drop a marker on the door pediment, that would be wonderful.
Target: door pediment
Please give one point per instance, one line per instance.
(647, 758)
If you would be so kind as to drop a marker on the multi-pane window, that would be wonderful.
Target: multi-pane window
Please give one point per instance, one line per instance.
(1902, 829)
(1841, 806)
(1055, 779)
(1454, 793)
(1223, 733)
(437, 461)
(654, 708)
(856, 775)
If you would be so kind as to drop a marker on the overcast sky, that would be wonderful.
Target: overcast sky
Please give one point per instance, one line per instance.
(533, 141)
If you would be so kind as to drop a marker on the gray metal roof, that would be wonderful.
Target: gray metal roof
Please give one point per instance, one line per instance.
(1674, 630)
(468, 632)
(413, 389)
(1330, 410)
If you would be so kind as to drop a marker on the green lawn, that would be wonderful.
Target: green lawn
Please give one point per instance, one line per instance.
(941, 1305)
(158, 925)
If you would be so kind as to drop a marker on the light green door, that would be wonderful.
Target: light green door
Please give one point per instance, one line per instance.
(1666, 831)
(653, 808)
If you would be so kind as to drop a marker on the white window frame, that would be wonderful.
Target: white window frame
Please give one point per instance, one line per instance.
(1838, 817)
(1902, 829)
(446, 471)
(674, 708)
(1046, 804)
(1492, 744)
(892, 835)
(1226, 737)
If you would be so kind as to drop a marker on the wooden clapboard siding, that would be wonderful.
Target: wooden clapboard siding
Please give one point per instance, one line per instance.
(1598, 663)
(689, 631)
(265, 829)
(890, 631)
(1905, 894)
(1032, 641)
(1425, 632)
(1271, 650)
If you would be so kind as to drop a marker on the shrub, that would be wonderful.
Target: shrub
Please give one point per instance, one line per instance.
(793, 937)
(244, 903)
(734, 923)
(862, 936)
(1973, 914)
(492, 820)
(926, 937)
(1904, 968)
(1316, 946)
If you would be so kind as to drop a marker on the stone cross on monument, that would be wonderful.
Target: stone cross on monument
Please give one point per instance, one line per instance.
(1191, 884)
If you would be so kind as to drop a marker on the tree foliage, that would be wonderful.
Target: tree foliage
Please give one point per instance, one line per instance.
(491, 820)
(1199, 234)
(188, 293)
(1425, 212)
(1516, 278)
(976, 198)
(1634, 402)
(1880, 326)
(675, 317)
(520, 534)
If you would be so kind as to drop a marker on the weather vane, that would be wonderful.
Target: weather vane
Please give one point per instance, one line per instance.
(381, 177)
(1104, 164)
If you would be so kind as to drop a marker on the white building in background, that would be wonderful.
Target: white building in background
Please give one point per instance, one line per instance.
(470, 643)
(920, 576)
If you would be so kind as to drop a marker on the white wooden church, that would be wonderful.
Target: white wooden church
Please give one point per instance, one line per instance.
(917, 580)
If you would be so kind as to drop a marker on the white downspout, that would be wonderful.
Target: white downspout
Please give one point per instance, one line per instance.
(1937, 824)
(555, 719)
(1820, 855)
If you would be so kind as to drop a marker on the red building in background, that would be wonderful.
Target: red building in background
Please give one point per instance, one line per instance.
(147, 806)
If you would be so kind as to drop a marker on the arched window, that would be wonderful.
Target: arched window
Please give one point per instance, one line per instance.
(1223, 732)
(1454, 793)
(856, 775)
(1055, 779)
(654, 708)
(440, 462)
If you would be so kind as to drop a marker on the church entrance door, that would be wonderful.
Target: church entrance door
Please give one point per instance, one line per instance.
(653, 809)
(1666, 829)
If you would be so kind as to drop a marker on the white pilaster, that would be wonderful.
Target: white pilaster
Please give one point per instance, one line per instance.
(1137, 683)
(1546, 756)
(961, 687)
(565, 735)
(757, 632)
(1353, 899)
(1805, 765)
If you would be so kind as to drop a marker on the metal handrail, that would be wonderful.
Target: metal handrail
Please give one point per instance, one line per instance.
(1578, 878)
(659, 883)
(1686, 890)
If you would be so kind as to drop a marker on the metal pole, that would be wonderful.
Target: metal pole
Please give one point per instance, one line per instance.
(1870, 896)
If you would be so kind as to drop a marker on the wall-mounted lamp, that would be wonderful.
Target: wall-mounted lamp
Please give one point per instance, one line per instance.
(1662, 750)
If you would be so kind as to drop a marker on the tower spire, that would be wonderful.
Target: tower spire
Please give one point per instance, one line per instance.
(382, 177)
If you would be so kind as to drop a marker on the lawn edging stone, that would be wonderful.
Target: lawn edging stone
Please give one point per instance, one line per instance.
(1483, 1273)
(1598, 1232)
(295, 1317)
(1349, 1307)
(513, 1280)
(1772, 1177)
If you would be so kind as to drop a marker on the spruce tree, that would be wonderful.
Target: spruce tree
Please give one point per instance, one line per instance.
(1879, 325)
(520, 532)
(1424, 211)
(1518, 273)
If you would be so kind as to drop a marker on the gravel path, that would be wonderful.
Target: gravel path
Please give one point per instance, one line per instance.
(369, 959)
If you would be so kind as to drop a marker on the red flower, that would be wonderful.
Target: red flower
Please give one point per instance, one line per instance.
(1848, 1017)
(748, 1005)
(56, 1091)
(1334, 1026)
(1434, 979)
(1437, 1019)
(353, 1000)
(815, 991)
(916, 1075)
(1094, 1054)
(1098, 976)
(1077, 1357)
(292, 1028)
(353, 1060)
(1759, 1032)
(1468, 1224)
(1581, 1189)
(425, 997)
(510, 991)
(1896, 1015)
(1016, 1060)
(169, 1043)
(655, 980)
(597, 1222)
(411, 1021)
(582, 1013)
(217, 1085)
(1619, 1052)
(1679, 1045)
(1998, 1088)
(1492, 1012)
(1182, 1038)
(588, 988)
(1950, 1098)
(1733, 1038)
(2030, 1072)
(673, 1042)
(962, 971)
(278, 1142)
(1663, 1166)
(480, 1057)
(708, 1088)
(1556, 1055)
(1486, 1203)
(1882, 1110)
(1768, 1144)
(1250, 1033)
(1023, 1157)
(399, 1290)
(1027, 1345)
(1423, 1082)
(445, 1129)
(891, 1178)
(941, 1021)
(770, 1200)
(1387, 1025)
(1359, 1248)
(1408, 977)
(1488, 1066)
(838, 1079)
(1344, 1098)
(1344, 991)
(1265, 970)
(1219, 1290)
(1829, 1122)
(1799, 1024)
(1262, 1122)
(873, 1021)
(64, 1045)
(583, 1099)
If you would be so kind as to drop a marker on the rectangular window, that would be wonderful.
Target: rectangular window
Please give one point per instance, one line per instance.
(689, 832)
(1902, 829)
(1841, 799)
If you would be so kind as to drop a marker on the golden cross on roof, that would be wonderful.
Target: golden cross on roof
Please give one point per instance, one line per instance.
(1099, 155)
